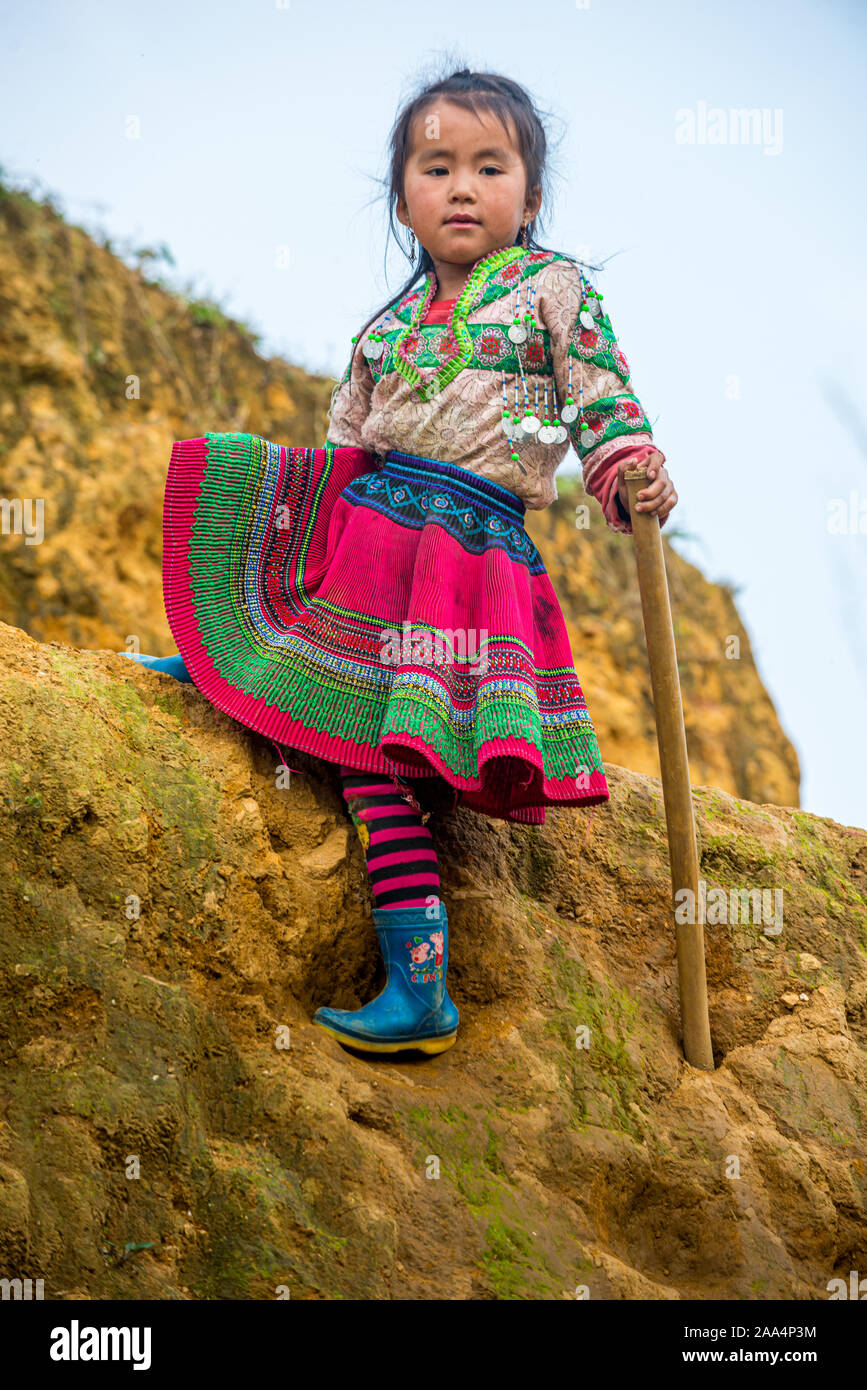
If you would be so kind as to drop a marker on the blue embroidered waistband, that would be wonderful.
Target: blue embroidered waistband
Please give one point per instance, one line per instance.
(416, 466)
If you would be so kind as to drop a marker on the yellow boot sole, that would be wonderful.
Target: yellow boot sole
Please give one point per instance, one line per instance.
(429, 1045)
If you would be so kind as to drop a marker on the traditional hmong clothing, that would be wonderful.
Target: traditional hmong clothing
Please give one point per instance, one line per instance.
(378, 602)
(383, 403)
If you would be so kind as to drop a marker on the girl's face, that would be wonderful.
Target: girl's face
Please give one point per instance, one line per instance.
(467, 165)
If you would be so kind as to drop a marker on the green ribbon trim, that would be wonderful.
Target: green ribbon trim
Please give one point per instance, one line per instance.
(605, 411)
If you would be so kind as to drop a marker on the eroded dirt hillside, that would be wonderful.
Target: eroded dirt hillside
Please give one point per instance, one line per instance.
(169, 912)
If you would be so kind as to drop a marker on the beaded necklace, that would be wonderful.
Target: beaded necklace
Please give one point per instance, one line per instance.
(547, 429)
(591, 310)
(463, 343)
(519, 428)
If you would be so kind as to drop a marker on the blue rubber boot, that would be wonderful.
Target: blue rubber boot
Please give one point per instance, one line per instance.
(171, 665)
(414, 1010)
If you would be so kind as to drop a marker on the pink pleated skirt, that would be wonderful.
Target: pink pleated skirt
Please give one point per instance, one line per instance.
(388, 615)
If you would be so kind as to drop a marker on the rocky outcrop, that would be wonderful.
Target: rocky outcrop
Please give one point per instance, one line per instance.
(102, 368)
(173, 1125)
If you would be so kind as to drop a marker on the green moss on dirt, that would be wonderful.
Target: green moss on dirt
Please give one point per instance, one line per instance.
(736, 854)
(612, 1018)
(468, 1149)
(510, 1260)
(254, 1209)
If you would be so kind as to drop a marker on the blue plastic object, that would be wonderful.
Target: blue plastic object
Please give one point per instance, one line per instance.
(414, 1010)
(171, 665)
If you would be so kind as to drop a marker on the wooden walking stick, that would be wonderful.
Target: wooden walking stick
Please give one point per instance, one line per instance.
(676, 791)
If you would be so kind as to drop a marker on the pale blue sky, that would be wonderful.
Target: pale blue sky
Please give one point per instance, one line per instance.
(736, 286)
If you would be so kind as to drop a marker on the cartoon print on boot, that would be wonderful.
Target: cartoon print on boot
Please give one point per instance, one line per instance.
(419, 953)
(422, 954)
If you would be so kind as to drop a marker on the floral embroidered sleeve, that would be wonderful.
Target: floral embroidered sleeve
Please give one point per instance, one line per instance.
(350, 401)
(610, 425)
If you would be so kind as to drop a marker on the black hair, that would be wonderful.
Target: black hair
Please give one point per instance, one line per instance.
(507, 100)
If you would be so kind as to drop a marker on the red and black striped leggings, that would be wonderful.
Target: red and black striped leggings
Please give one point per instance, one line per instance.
(401, 859)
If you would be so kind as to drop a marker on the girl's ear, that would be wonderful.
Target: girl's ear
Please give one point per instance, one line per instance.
(533, 201)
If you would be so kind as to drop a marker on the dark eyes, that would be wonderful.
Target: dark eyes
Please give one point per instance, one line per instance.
(439, 168)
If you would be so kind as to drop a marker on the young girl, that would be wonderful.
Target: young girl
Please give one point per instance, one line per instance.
(378, 602)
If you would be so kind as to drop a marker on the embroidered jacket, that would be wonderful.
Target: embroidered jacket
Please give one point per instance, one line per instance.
(437, 390)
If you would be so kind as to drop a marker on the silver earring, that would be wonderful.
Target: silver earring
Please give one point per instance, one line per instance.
(411, 244)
